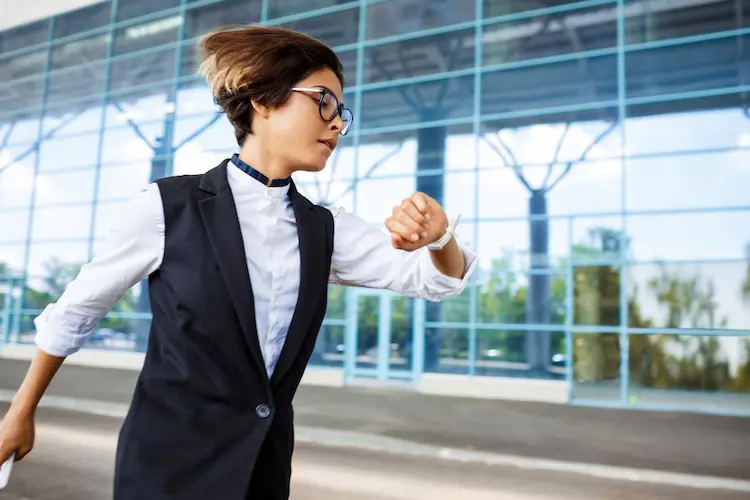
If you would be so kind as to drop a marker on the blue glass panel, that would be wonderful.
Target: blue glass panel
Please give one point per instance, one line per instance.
(137, 8)
(75, 84)
(24, 36)
(61, 223)
(329, 347)
(15, 223)
(335, 29)
(201, 19)
(665, 20)
(418, 103)
(685, 372)
(142, 70)
(689, 236)
(689, 67)
(22, 98)
(12, 254)
(494, 8)
(588, 81)
(280, 8)
(690, 294)
(18, 128)
(55, 188)
(72, 118)
(69, 152)
(395, 17)
(16, 175)
(80, 20)
(557, 34)
(148, 34)
(420, 56)
(446, 350)
(596, 367)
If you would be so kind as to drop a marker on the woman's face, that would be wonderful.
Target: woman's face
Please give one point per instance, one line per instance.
(297, 131)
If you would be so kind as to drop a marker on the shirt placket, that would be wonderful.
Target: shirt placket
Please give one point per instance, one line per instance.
(277, 272)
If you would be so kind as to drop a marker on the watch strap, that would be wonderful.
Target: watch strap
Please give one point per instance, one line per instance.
(440, 243)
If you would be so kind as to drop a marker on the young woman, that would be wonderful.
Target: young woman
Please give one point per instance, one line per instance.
(238, 264)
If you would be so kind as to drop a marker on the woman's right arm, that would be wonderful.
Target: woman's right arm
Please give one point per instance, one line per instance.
(132, 250)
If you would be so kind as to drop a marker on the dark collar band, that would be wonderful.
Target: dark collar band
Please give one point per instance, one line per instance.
(257, 175)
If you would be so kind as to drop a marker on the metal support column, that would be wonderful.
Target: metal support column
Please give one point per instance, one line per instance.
(384, 336)
(623, 261)
(417, 352)
(350, 335)
(7, 305)
(569, 314)
(350, 345)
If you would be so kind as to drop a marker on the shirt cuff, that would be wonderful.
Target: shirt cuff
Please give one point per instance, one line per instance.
(443, 286)
(54, 338)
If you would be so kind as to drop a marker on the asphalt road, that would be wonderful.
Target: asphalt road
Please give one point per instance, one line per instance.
(73, 458)
(698, 444)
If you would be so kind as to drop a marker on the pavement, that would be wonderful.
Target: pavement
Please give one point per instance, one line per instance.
(650, 447)
(74, 455)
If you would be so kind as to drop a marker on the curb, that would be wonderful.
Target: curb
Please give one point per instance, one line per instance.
(383, 444)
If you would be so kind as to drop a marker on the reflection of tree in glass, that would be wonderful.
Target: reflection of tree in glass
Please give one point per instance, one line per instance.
(596, 302)
(673, 361)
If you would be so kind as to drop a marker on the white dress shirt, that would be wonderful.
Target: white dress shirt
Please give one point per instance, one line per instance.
(134, 248)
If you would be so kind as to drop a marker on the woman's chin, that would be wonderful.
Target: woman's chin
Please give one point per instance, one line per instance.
(315, 166)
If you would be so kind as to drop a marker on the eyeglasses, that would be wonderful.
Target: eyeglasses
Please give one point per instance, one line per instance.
(329, 107)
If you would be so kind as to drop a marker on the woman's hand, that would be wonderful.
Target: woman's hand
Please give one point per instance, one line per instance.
(416, 222)
(16, 435)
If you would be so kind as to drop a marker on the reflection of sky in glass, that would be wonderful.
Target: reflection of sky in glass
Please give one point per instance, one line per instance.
(593, 190)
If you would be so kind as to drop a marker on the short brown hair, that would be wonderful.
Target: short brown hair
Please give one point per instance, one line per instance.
(259, 63)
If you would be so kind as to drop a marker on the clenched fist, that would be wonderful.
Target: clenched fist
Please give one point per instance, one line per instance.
(16, 435)
(416, 222)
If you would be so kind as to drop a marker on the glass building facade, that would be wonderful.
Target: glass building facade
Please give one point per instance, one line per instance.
(598, 152)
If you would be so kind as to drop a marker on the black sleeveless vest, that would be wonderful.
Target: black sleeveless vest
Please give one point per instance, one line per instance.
(205, 420)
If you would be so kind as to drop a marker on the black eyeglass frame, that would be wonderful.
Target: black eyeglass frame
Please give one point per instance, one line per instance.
(340, 110)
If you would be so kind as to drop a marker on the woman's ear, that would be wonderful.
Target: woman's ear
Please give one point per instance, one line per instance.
(260, 109)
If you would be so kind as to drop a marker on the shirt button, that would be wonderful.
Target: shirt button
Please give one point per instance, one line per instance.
(262, 410)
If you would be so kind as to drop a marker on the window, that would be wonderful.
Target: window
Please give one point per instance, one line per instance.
(85, 19)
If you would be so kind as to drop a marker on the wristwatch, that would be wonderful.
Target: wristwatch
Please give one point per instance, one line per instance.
(444, 239)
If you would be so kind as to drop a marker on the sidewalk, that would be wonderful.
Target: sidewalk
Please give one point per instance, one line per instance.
(705, 445)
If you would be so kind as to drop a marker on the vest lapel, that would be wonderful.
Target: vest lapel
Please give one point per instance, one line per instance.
(313, 279)
(223, 228)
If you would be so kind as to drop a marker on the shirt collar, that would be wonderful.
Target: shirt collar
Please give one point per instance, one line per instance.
(257, 175)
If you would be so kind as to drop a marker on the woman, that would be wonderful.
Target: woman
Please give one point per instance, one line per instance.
(238, 264)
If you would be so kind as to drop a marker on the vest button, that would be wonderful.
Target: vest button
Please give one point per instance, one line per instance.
(262, 410)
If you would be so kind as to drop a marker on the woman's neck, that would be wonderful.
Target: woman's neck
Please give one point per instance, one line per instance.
(269, 165)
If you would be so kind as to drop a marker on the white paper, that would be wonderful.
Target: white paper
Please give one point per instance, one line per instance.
(5, 472)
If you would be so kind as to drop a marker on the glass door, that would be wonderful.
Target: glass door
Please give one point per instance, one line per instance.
(10, 293)
(380, 336)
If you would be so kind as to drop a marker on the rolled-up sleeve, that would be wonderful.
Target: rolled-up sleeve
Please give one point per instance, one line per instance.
(363, 256)
(132, 250)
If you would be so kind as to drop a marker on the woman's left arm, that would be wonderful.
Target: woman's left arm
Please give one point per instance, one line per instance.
(366, 256)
